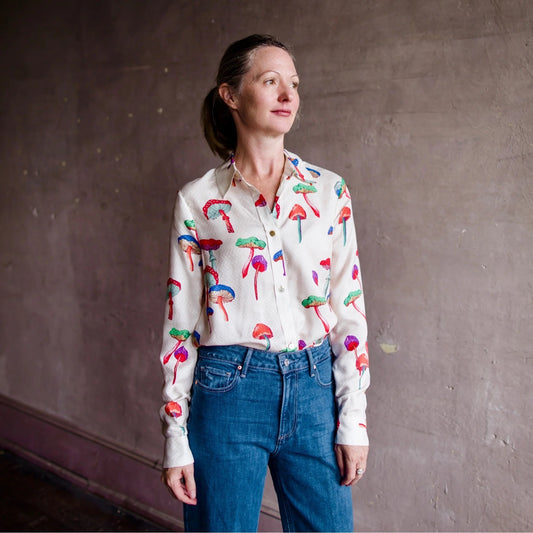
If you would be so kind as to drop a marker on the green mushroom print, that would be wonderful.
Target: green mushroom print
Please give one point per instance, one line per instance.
(351, 299)
(221, 294)
(181, 335)
(190, 224)
(341, 189)
(260, 265)
(298, 213)
(252, 243)
(305, 189)
(315, 302)
(218, 208)
(173, 288)
(190, 246)
(262, 331)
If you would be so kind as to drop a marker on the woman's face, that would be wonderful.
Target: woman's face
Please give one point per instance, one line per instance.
(267, 100)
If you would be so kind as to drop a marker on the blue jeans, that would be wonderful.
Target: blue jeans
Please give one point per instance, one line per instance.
(253, 409)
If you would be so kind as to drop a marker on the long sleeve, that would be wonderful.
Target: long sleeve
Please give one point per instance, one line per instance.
(179, 353)
(349, 336)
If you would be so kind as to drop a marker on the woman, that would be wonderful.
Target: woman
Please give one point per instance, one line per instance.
(264, 353)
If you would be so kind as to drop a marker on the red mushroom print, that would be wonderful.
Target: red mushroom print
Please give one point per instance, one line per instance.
(180, 335)
(316, 302)
(173, 409)
(361, 364)
(260, 265)
(278, 256)
(262, 331)
(219, 208)
(351, 298)
(253, 243)
(346, 213)
(305, 189)
(173, 288)
(181, 355)
(221, 294)
(190, 246)
(261, 202)
(210, 245)
(210, 276)
(298, 213)
(326, 264)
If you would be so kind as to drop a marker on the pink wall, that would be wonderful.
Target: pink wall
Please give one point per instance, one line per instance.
(426, 109)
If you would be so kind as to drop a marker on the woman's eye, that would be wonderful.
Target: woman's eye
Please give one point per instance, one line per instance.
(269, 82)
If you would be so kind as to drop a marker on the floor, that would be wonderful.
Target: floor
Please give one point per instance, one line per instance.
(32, 499)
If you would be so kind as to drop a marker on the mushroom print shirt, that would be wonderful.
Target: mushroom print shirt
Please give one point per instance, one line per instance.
(275, 280)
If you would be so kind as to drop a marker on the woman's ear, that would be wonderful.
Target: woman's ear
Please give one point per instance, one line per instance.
(226, 93)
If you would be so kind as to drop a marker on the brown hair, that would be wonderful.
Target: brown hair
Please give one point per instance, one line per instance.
(218, 125)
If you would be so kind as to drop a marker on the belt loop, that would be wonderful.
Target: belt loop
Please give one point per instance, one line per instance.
(246, 362)
(312, 366)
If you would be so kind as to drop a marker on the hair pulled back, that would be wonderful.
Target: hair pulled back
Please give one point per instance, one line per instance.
(218, 125)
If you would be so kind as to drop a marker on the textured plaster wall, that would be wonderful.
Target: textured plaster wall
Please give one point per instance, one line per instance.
(425, 107)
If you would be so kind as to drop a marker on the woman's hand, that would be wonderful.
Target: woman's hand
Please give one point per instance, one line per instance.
(180, 481)
(352, 462)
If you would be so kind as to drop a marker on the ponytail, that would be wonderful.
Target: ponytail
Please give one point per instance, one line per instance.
(218, 125)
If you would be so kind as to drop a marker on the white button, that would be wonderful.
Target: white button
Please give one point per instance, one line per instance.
(286, 362)
(291, 346)
(281, 288)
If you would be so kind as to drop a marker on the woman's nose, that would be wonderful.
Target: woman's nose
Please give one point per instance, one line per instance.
(286, 93)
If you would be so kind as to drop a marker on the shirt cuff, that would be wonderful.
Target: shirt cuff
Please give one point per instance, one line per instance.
(354, 436)
(177, 452)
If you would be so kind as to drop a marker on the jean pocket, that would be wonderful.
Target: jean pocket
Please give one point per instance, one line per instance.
(215, 376)
(324, 372)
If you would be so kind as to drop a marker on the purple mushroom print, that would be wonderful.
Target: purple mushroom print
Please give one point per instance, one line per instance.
(351, 342)
(262, 331)
(278, 256)
(173, 288)
(210, 245)
(219, 208)
(253, 243)
(181, 355)
(346, 213)
(315, 302)
(260, 265)
(221, 294)
(190, 246)
(351, 298)
(305, 189)
(298, 213)
(179, 352)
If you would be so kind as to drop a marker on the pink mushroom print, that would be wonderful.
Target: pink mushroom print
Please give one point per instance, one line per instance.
(315, 277)
(190, 246)
(262, 331)
(341, 189)
(361, 364)
(210, 245)
(315, 302)
(173, 409)
(181, 355)
(219, 208)
(221, 294)
(346, 213)
(260, 265)
(261, 202)
(305, 189)
(173, 288)
(278, 256)
(351, 298)
(298, 213)
(253, 243)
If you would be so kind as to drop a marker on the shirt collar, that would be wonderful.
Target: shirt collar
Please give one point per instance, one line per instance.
(227, 175)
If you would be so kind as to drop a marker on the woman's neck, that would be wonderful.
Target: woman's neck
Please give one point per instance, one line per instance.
(261, 165)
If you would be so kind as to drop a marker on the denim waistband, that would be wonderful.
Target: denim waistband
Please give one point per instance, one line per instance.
(283, 362)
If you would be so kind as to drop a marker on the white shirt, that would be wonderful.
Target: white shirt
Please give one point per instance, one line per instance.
(276, 280)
